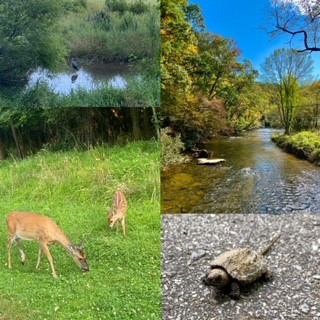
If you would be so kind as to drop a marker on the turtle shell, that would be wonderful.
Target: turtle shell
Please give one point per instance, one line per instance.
(243, 265)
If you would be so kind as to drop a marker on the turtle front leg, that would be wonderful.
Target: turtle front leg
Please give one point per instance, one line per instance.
(268, 276)
(234, 290)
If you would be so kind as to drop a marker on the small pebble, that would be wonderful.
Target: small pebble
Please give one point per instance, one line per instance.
(196, 255)
(304, 308)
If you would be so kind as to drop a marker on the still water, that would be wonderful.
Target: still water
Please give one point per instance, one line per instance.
(89, 77)
(257, 177)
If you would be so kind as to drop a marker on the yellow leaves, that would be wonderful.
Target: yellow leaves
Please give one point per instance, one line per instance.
(191, 99)
(164, 32)
(194, 49)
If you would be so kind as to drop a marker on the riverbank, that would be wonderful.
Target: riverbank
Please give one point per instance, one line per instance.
(75, 189)
(305, 145)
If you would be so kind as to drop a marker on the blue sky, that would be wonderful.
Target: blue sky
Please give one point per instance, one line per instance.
(241, 21)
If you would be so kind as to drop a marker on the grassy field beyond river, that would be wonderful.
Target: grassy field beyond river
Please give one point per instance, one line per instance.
(75, 189)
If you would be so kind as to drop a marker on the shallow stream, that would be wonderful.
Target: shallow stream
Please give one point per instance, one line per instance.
(257, 177)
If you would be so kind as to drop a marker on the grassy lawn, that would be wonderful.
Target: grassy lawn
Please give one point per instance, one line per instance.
(75, 188)
(305, 145)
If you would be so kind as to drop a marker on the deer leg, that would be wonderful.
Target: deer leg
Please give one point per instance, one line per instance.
(117, 226)
(22, 254)
(10, 242)
(123, 222)
(39, 258)
(49, 256)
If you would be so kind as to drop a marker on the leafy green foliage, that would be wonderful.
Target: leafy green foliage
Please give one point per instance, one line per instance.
(308, 110)
(194, 17)
(27, 37)
(171, 148)
(24, 131)
(205, 88)
(285, 68)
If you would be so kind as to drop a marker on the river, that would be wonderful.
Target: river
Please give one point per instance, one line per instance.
(257, 177)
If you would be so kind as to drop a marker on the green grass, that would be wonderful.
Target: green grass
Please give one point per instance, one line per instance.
(305, 145)
(143, 92)
(75, 188)
(116, 31)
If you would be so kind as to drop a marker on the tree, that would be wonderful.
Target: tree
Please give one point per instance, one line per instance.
(215, 63)
(27, 37)
(194, 17)
(308, 115)
(178, 44)
(241, 98)
(301, 20)
(26, 130)
(285, 68)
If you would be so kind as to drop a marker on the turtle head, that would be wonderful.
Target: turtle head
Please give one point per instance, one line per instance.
(216, 277)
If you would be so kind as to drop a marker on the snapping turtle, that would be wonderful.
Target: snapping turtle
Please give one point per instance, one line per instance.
(238, 267)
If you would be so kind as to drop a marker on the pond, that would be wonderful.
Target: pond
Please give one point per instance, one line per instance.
(257, 177)
(89, 77)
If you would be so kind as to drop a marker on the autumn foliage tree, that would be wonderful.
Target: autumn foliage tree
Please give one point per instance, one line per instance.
(205, 88)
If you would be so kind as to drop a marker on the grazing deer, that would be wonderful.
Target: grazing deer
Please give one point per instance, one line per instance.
(31, 226)
(119, 211)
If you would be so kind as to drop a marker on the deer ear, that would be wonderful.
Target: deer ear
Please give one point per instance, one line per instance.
(81, 245)
(72, 248)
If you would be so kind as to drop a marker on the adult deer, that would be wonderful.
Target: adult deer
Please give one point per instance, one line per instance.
(119, 211)
(31, 226)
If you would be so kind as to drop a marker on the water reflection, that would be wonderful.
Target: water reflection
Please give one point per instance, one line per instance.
(257, 177)
(89, 77)
(74, 78)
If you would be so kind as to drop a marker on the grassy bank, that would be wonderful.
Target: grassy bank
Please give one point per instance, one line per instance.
(75, 189)
(305, 145)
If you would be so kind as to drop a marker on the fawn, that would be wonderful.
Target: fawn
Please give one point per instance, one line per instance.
(118, 212)
(31, 226)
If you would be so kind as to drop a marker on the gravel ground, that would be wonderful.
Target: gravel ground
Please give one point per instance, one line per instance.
(190, 241)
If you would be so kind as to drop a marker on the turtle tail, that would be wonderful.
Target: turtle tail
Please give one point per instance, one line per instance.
(268, 247)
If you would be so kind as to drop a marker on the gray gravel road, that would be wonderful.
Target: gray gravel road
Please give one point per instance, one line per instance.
(190, 241)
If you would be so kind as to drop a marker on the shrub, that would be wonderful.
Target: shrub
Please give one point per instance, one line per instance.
(171, 148)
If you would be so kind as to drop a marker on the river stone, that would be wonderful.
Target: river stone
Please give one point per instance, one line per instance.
(183, 181)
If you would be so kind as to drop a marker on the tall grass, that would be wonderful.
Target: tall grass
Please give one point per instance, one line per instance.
(75, 189)
(121, 31)
(144, 92)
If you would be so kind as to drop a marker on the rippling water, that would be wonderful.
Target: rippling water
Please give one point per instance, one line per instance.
(257, 177)
(89, 77)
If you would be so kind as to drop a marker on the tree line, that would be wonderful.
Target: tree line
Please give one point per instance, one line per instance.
(206, 88)
(26, 131)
